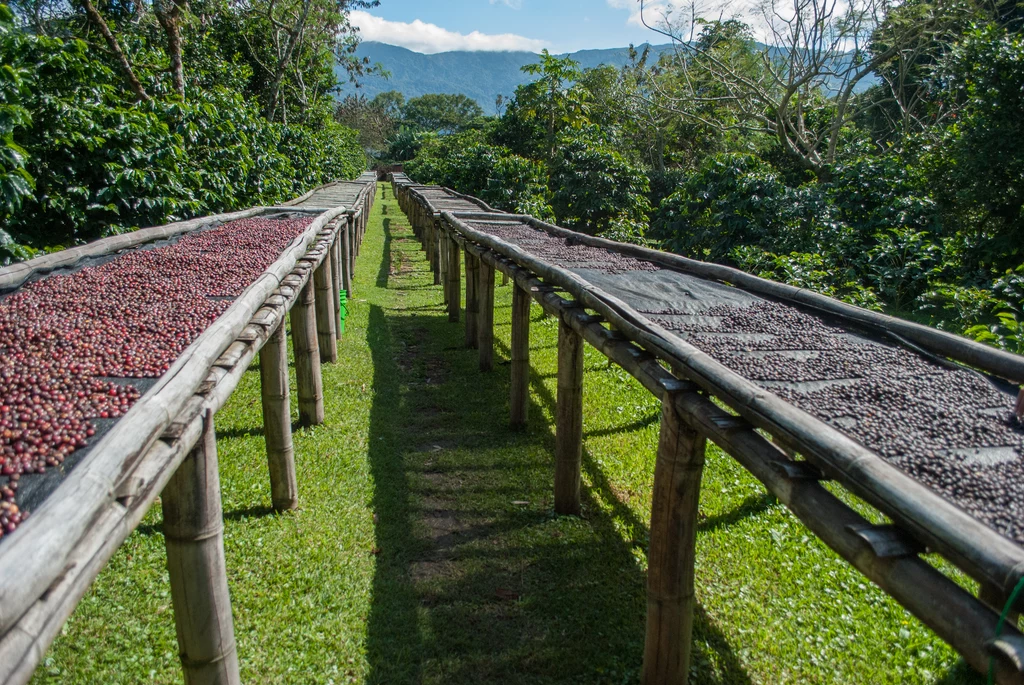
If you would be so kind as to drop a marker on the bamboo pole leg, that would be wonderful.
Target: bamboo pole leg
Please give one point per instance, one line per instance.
(485, 315)
(454, 281)
(472, 301)
(357, 242)
(337, 281)
(520, 392)
(670, 592)
(346, 257)
(442, 263)
(435, 251)
(425, 233)
(277, 421)
(568, 420)
(428, 239)
(326, 317)
(194, 537)
(307, 359)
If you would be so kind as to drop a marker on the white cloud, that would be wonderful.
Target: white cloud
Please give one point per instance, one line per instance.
(680, 14)
(634, 10)
(514, 4)
(430, 38)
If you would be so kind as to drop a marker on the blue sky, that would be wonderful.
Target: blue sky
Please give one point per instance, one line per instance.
(559, 25)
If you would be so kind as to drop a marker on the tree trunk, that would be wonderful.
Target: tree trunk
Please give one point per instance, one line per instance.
(133, 81)
(168, 13)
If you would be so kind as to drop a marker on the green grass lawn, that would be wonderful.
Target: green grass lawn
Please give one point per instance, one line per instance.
(425, 548)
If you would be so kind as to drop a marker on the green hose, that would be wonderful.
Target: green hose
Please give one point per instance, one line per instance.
(999, 627)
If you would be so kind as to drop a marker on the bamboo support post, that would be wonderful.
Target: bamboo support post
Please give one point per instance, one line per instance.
(346, 257)
(454, 281)
(435, 249)
(353, 238)
(307, 359)
(568, 420)
(357, 240)
(428, 237)
(519, 401)
(442, 264)
(277, 421)
(472, 301)
(194, 537)
(485, 315)
(336, 281)
(673, 534)
(326, 317)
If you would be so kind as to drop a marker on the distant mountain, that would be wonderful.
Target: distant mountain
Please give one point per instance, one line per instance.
(479, 75)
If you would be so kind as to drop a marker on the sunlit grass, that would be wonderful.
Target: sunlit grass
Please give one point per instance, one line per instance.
(426, 550)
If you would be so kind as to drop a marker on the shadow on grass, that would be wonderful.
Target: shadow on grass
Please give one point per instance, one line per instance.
(384, 272)
(476, 580)
(710, 643)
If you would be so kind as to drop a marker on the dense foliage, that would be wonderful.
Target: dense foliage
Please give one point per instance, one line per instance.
(94, 142)
(904, 194)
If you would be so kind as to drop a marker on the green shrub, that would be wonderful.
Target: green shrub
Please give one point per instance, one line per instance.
(812, 271)
(103, 163)
(733, 199)
(593, 186)
(901, 264)
(516, 184)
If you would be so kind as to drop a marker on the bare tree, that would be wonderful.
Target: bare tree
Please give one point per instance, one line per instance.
(800, 90)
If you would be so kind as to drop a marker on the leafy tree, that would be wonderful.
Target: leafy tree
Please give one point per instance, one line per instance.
(292, 47)
(441, 112)
(554, 98)
(977, 175)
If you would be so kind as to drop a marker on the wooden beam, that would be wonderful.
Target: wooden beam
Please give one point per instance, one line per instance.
(568, 420)
(326, 317)
(472, 299)
(454, 281)
(670, 557)
(307, 359)
(519, 401)
(485, 316)
(277, 421)
(194, 537)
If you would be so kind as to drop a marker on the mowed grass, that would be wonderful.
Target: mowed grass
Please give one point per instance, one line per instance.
(426, 551)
